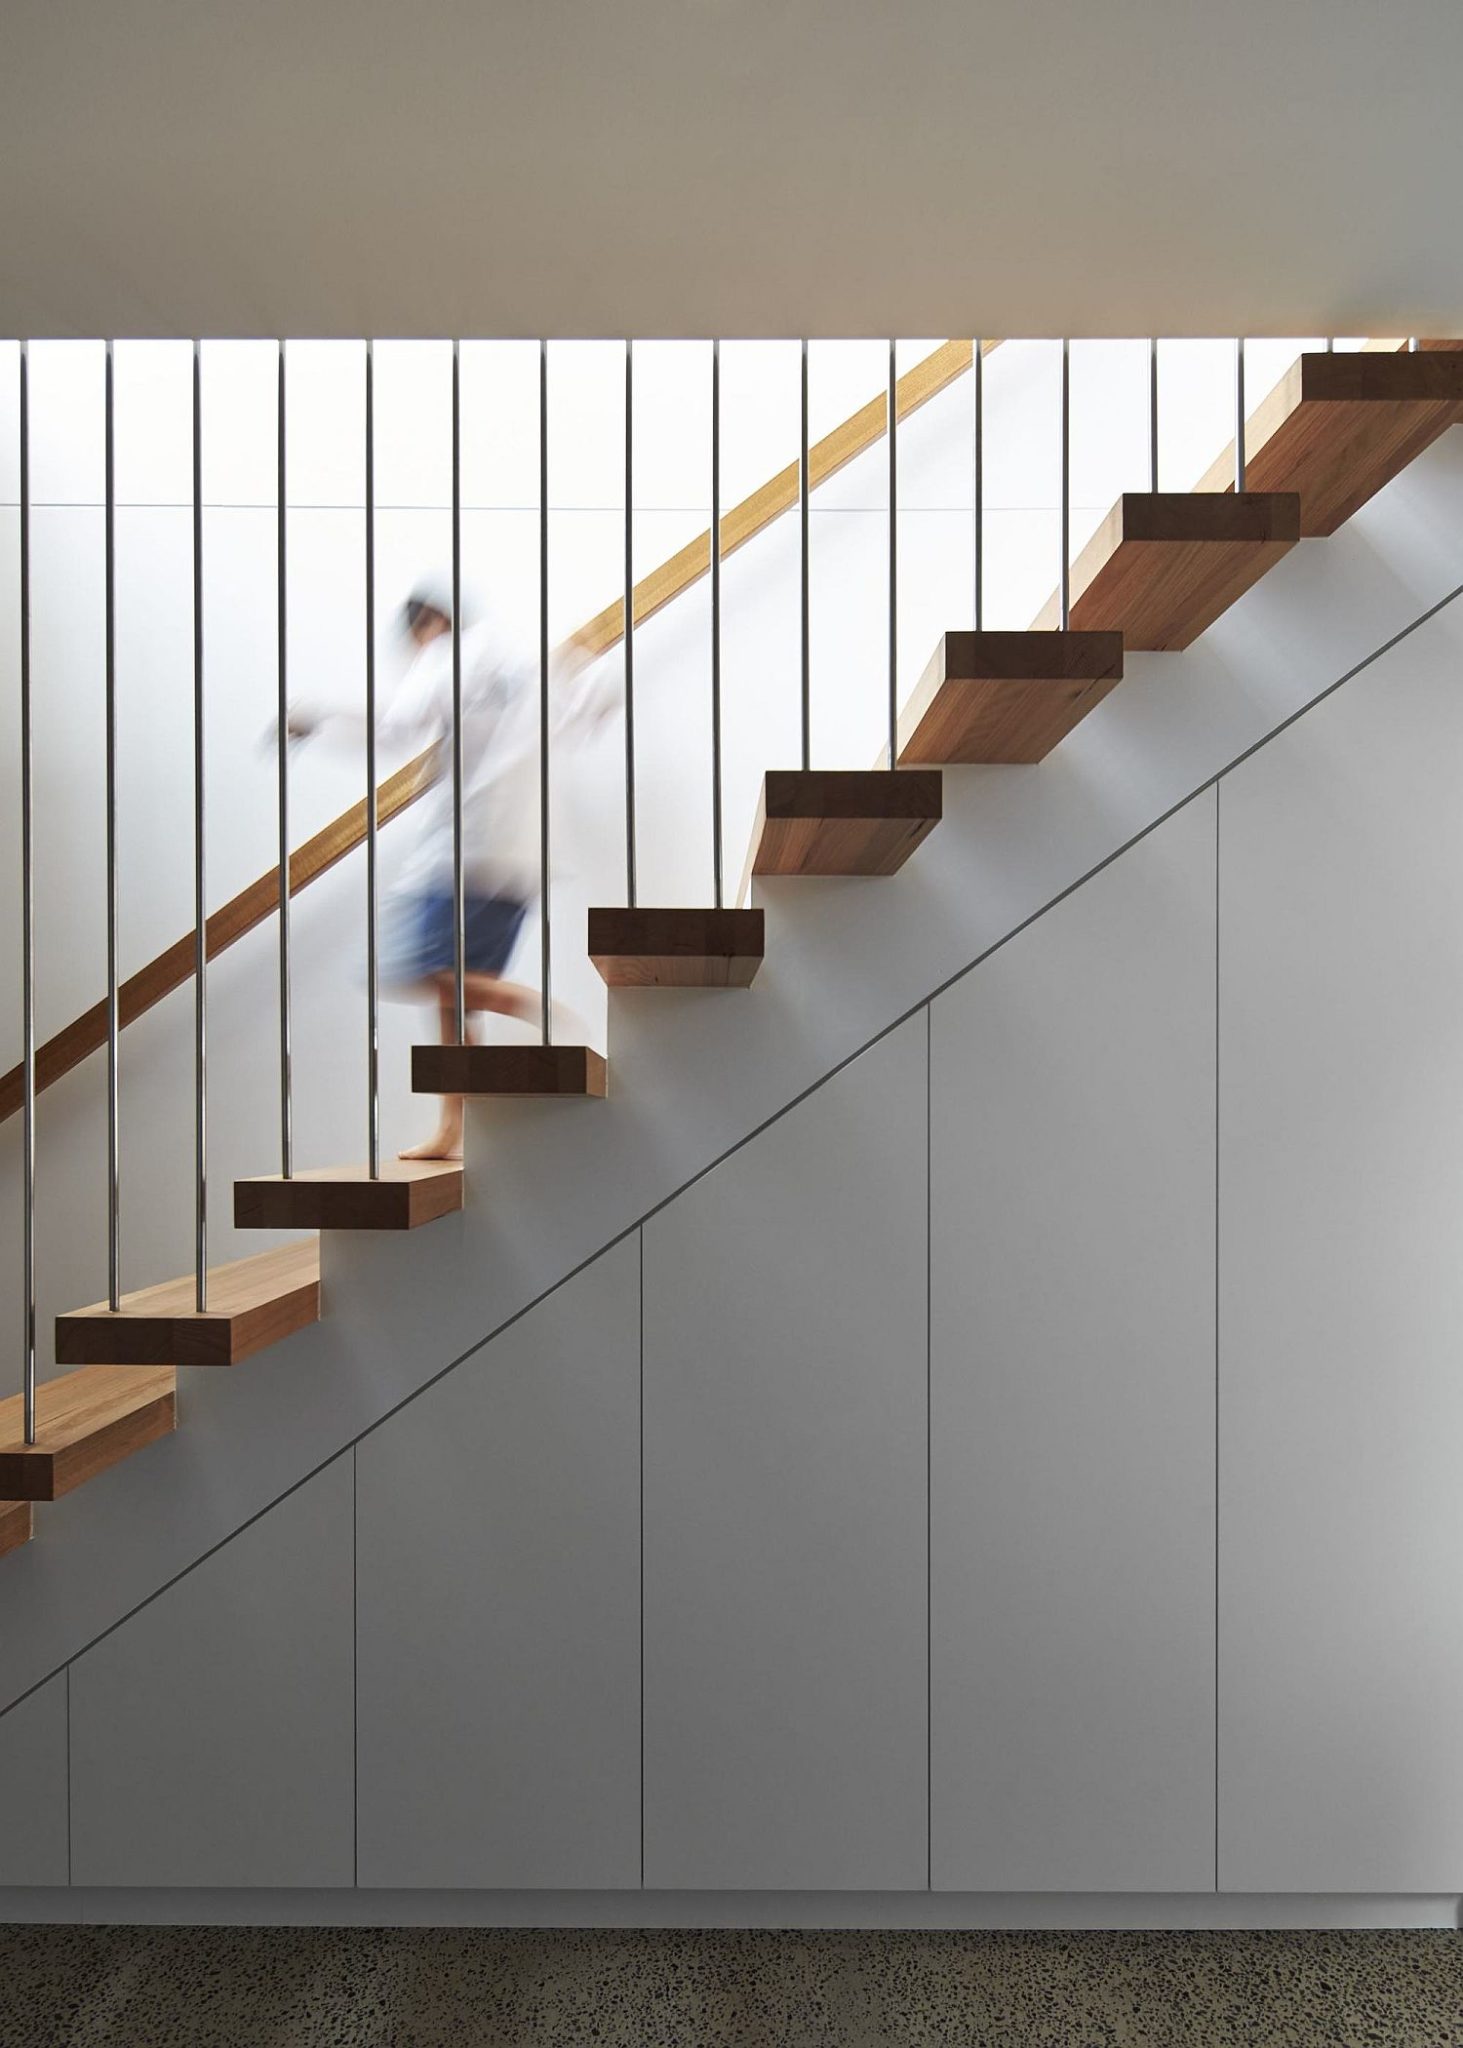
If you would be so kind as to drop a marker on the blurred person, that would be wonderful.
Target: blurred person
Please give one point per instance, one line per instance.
(500, 813)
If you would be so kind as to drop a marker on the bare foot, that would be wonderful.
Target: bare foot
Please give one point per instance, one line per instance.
(445, 1144)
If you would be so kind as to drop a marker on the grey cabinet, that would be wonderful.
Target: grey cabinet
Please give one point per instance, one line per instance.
(1072, 1390)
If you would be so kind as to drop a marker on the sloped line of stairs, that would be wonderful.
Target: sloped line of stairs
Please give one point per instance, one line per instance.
(1160, 570)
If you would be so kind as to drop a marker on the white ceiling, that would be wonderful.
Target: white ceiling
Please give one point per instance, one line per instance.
(731, 166)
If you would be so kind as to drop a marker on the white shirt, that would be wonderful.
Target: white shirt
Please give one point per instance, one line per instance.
(500, 757)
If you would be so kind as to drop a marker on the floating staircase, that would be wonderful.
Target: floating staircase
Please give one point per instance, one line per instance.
(85, 1421)
(508, 1070)
(677, 948)
(1164, 565)
(251, 1303)
(1338, 427)
(1161, 568)
(1006, 697)
(844, 821)
(404, 1195)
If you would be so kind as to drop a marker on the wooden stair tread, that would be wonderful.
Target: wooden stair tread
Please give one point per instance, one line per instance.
(1006, 697)
(1336, 428)
(405, 1194)
(252, 1302)
(508, 1070)
(85, 1421)
(679, 947)
(1164, 565)
(842, 821)
(15, 1524)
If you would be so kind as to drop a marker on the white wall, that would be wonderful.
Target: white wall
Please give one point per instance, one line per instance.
(326, 653)
(697, 1077)
(900, 1425)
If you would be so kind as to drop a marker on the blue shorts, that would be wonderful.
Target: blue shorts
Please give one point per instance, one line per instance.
(418, 940)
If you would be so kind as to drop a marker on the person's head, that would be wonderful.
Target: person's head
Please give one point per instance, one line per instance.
(427, 613)
(423, 622)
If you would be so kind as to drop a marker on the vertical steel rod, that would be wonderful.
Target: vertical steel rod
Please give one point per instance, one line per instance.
(200, 892)
(806, 641)
(1153, 415)
(629, 633)
(1413, 344)
(27, 939)
(978, 367)
(546, 951)
(282, 767)
(891, 429)
(716, 875)
(1330, 344)
(373, 974)
(459, 906)
(114, 1206)
(1239, 414)
(1066, 584)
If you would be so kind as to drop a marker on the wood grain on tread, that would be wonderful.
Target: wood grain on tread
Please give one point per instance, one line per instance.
(85, 1421)
(677, 948)
(15, 1524)
(855, 821)
(1336, 428)
(252, 1302)
(508, 1070)
(740, 524)
(406, 1194)
(1006, 697)
(1164, 565)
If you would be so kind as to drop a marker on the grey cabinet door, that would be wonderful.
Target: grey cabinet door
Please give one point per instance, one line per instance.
(33, 1846)
(1072, 1390)
(785, 1498)
(1341, 1311)
(499, 1616)
(211, 1733)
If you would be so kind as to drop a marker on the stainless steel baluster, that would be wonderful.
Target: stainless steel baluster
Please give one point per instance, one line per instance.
(891, 428)
(1239, 414)
(282, 769)
(806, 642)
(458, 896)
(373, 973)
(978, 368)
(629, 622)
(114, 1209)
(1066, 586)
(716, 622)
(543, 681)
(1153, 415)
(27, 939)
(200, 893)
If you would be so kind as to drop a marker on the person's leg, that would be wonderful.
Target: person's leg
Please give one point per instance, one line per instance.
(446, 1141)
(491, 992)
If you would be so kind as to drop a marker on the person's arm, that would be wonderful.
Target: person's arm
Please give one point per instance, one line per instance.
(586, 688)
(412, 715)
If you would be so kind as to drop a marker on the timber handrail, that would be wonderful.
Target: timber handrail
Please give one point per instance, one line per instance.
(742, 523)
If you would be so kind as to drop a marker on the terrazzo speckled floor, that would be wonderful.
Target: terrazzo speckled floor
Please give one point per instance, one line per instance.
(154, 1987)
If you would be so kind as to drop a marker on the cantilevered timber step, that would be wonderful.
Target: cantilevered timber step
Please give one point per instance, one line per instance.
(1338, 427)
(1164, 565)
(406, 1193)
(15, 1524)
(1006, 697)
(508, 1070)
(843, 821)
(676, 948)
(251, 1303)
(85, 1421)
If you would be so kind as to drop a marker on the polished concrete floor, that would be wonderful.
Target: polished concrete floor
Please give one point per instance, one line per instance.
(315, 1988)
